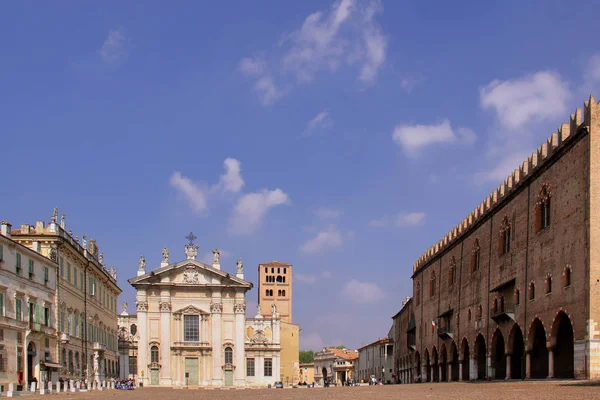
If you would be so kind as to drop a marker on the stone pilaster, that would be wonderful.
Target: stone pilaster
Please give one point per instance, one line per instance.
(216, 308)
(508, 366)
(165, 348)
(240, 318)
(143, 349)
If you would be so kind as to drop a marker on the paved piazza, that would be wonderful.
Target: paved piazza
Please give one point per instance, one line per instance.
(563, 390)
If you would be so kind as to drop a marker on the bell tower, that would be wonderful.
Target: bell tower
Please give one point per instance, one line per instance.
(275, 286)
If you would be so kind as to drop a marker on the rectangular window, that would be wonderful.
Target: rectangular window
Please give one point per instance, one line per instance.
(62, 268)
(69, 272)
(18, 310)
(61, 322)
(191, 328)
(1, 253)
(46, 316)
(250, 367)
(19, 358)
(18, 263)
(268, 367)
(1, 304)
(75, 277)
(81, 282)
(31, 268)
(132, 365)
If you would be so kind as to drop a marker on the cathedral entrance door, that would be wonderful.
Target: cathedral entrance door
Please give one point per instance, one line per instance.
(154, 376)
(191, 371)
(229, 378)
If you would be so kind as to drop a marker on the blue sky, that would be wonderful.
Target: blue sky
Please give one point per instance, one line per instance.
(344, 138)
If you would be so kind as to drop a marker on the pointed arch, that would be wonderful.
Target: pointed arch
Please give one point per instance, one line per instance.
(427, 365)
(516, 349)
(480, 356)
(434, 363)
(443, 363)
(465, 356)
(563, 344)
(498, 351)
(536, 345)
(454, 361)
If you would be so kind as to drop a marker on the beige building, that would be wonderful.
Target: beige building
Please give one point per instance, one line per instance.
(27, 314)
(275, 287)
(191, 328)
(86, 299)
(334, 365)
(307, 373)
(376, 359)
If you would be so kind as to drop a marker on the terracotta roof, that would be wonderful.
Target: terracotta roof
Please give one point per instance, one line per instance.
(312, 364)
(274, 263)
(346, 354)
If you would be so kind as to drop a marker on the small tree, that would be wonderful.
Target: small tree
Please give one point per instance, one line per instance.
(306, 356)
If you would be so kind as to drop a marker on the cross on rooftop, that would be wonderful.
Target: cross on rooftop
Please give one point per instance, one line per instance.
(191, 237)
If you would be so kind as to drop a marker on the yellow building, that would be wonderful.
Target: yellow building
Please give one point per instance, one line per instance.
(86, 300)
(275, 287)
(307, 373)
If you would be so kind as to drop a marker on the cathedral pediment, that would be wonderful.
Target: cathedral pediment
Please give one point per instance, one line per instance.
(190, 273)
(190, 310)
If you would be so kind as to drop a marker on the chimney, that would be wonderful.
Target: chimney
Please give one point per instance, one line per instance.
(39, 226)
(24, 228)
(5, 228)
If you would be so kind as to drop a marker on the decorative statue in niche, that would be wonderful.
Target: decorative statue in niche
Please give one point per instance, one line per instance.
(55, 214)
(273, 309)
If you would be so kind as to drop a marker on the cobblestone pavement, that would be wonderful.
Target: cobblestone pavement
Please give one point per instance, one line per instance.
(563, 390)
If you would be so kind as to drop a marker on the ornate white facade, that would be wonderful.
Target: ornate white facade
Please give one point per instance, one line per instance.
(191, 327)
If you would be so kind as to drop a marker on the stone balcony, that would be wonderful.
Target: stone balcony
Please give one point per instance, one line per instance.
(65, 338)
(190, 345)
(98, 347)
(504, 313)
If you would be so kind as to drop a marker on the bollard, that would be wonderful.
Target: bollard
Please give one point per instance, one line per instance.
(11, 391)
(32, 387)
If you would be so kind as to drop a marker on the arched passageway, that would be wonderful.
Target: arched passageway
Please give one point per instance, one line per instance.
(539, 352)
(453, 358)
(562, 340)
(498, 355)
(434, 364)
(480, 355)
(427, 367)
(443, 364)
(516, 346)
(466, 357)
(418, 365)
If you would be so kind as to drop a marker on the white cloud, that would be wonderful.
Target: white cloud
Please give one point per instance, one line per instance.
(311, 341)
(231, 180)
(264, 85)
(331, 238)
(324, 212)
(533, 98)
(346, 34)
(401, 220)
(194, 193)
(197, 194)
(412, 138)
(252, 208)
(308, 278)
(592, 70)
(114, 47)
(321, 121)
(362, 292)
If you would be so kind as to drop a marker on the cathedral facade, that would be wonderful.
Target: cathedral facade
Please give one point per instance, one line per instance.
(191, 328)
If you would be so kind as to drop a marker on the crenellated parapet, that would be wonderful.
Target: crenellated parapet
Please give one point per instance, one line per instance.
(515, 180)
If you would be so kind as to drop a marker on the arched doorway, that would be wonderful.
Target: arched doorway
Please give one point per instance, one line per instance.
(498, 355)
(324, 372)
(31, 353)
(443, 363)
(539, 351)
(418, 365)
(517, 357)
(466, 356)
(454, 361)
(434, 364)
(427, 367)
(480, 357)
(562, 340)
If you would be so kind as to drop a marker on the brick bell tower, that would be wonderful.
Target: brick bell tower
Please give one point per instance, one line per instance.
(275, 286)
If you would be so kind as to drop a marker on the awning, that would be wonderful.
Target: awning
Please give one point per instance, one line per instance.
(49, 364)
(504, 285)
(412, 324)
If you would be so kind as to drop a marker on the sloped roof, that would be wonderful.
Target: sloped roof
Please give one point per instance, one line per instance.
(346, 354)
(182, 264)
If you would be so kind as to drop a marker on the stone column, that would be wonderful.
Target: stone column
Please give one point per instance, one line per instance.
(491, 371)
(424, 373)
(449, 373)
(216, 308)
(143, 350)
(460, 371)
(432, 374)
(440, 369)
(508, 366)
(550, 363)
(473, 369)
(165, 348)
(240, 313)
(528, 365)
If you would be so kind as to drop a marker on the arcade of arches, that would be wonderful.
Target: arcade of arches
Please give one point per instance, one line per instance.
(544, 352)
